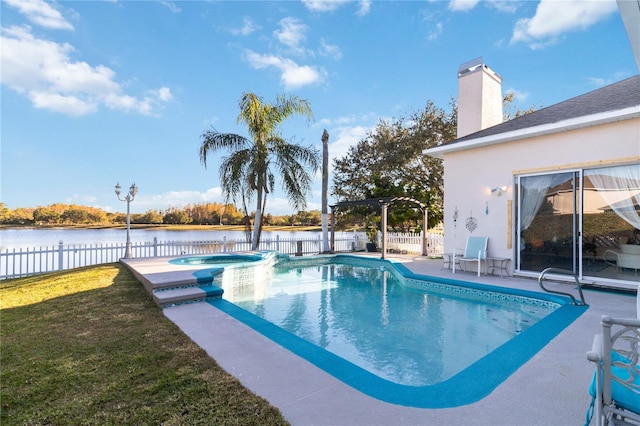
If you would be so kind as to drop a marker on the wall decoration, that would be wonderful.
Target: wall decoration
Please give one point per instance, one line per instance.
(471, 223)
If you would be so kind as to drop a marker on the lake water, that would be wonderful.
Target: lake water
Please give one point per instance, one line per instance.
(35, 237)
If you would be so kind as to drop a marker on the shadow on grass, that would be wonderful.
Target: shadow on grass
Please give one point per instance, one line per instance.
(93, 348)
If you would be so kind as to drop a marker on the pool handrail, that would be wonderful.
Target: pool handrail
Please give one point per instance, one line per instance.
(567, 272)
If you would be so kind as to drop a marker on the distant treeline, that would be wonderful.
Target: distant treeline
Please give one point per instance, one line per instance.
(195, 214)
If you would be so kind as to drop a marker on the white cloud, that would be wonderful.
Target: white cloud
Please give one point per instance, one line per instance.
(508, 6)
(324, 5)
(292, 75)
(278, 206)
(462, 5)
(435, 32)
(346, 138)
(41, 13)
(518, 96)
(291, 33)
(164, 94)
(44, 71)
(70, 105)
(177, 199)
(331, 50)
(554, 18)
(364, 6)
(600, 81)
(171, 6)
(248, 27)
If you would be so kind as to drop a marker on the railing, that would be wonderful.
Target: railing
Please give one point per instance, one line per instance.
(16, 263)
(563, 271)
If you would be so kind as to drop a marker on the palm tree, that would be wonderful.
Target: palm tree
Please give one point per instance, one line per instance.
(253, 163)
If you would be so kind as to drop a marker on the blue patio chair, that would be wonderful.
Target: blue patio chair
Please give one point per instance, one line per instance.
(475, 251)
(615, 387)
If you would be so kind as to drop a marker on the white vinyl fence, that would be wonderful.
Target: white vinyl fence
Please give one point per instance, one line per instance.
(22, 262)
(408, 243)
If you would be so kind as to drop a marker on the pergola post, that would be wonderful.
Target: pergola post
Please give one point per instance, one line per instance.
(425, 221)
(333, 227)
(384, 203)
(384, 229)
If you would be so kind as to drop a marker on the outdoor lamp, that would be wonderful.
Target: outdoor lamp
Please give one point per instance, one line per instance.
(499, 190)
(133, 190)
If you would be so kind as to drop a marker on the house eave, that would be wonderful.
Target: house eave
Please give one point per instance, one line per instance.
(535, 131)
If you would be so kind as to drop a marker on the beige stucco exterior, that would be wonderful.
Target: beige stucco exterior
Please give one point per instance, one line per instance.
(471, 173)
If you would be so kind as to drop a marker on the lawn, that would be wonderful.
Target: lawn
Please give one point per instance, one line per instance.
(89, 346)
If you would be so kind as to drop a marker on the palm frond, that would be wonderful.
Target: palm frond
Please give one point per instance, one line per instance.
(212, 141)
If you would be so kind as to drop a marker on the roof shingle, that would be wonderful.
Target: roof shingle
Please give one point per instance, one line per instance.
(617, 96)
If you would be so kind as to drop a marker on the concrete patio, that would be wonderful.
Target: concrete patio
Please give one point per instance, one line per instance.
(550, 389)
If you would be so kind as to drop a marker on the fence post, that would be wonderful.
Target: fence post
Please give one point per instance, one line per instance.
(60, 251)
(278, 243)
(224, 244)
(155, 246)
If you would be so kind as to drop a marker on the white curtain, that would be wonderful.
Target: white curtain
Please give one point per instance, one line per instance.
(533, 192)
(610, 182)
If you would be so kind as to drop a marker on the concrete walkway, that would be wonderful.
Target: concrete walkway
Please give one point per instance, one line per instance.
(550, 389)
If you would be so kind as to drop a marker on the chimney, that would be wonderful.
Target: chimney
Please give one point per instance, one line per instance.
(479, 97)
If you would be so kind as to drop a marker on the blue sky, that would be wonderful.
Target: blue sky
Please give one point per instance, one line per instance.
(96, 92)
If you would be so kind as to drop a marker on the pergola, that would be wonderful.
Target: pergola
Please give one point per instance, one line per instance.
(384, 203)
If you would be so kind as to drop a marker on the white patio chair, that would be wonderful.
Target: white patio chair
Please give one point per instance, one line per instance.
(615, 387)
(475, 251)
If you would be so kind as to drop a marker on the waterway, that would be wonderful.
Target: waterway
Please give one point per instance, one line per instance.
(37, 237)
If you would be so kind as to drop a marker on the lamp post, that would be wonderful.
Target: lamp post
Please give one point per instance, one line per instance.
(133, 190)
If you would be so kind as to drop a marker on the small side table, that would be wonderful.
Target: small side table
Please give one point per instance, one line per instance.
(447, 261)
(497, 264)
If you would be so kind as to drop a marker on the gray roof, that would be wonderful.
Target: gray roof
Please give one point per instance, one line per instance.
(617, 96)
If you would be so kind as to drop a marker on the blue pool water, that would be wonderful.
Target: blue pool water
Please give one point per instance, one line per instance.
(393, 334)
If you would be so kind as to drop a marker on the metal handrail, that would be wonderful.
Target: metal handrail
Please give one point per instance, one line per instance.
(563, 271)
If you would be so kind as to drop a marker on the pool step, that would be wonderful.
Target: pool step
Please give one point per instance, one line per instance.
(170, 284)
(174, 296)
(186, 286)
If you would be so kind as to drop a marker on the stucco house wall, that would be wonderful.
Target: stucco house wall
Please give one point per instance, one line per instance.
(470, 174)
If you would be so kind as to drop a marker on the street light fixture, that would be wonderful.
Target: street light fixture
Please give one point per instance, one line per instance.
(133, 190)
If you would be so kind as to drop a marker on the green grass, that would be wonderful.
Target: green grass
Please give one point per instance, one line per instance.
(89, 346)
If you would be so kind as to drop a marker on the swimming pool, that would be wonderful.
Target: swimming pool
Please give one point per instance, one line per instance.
(394, 335)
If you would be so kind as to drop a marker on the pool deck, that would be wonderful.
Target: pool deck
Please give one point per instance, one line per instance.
(550, 389)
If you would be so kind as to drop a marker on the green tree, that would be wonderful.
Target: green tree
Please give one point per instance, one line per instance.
(253, 163)
(389, 162)
(509, 112)
(46, 215)
(75, 215)
(152, 217)
(175, 216)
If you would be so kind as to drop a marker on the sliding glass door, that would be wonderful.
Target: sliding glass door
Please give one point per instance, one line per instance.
(547, 221)
(583, 221)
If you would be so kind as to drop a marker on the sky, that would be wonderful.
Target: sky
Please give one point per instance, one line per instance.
(99, 92)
